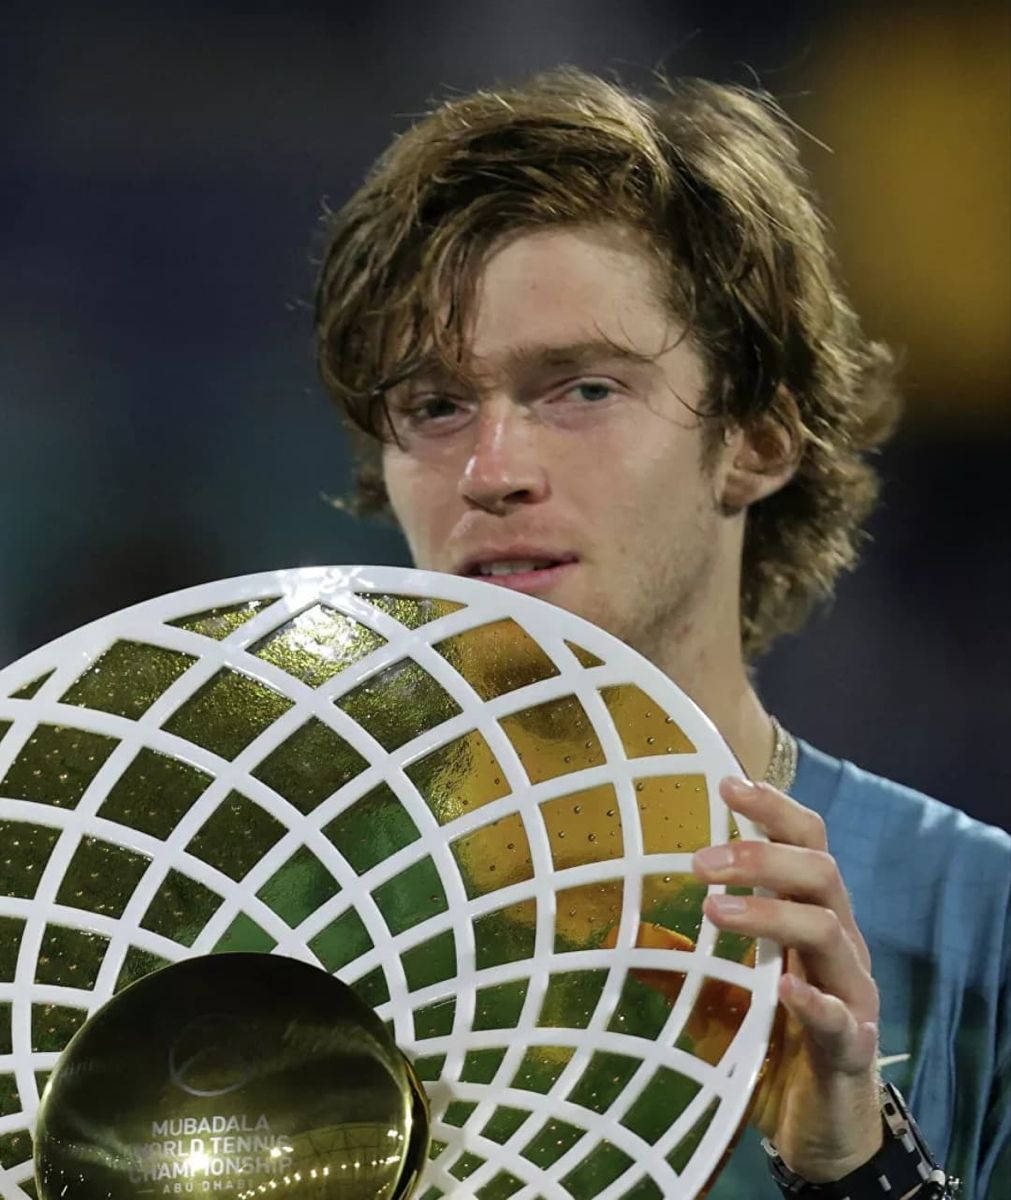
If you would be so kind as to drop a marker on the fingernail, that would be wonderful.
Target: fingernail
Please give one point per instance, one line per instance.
(715, 858)
(726, 905)
(743, 787)
(797, 987)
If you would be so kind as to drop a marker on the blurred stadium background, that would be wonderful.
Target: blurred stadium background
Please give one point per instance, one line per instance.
(161, 425)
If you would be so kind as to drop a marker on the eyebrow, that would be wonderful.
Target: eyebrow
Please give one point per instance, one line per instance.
(531, 359)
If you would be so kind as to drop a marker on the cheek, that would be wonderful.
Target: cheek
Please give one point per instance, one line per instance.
(633, 480)
(403, 489)
(393, 480)
(421, 500)
(648, 500)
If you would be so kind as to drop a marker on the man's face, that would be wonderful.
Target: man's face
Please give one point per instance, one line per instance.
(566, 467)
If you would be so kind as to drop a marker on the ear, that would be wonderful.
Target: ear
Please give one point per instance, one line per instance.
(763, 457)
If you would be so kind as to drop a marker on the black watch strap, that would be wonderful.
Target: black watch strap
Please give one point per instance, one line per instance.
(902, 1165)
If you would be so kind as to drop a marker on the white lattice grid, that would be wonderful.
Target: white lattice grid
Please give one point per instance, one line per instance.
(346, 590)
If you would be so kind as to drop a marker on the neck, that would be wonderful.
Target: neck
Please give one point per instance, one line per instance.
(715, 678)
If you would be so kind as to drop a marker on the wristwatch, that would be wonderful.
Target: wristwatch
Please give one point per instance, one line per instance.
(902, 1167)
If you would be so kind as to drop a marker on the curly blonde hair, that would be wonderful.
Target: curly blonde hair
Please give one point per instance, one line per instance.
(710, 175)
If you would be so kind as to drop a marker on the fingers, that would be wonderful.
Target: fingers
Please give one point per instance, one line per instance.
(801, 874)
(829, 955)
(794, 872)
(827, 1080)
(835, 1033)
(779, 816)
(787, 824)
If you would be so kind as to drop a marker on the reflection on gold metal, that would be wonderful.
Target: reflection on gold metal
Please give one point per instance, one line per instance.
(497, 658)
(372, 829)
(398, 703)
(553, 739)
(154, 793)
(587, 915)
(25, 693)
(681, 1155)
(571, 999)
(10, 1102)
(605, 1076)
(309, 765)
(714, 1020)
(459, 777)
(413, 611)
(227, 713)
(735, 947)
(431, 961)
(24, 852)
(101, 877)
(343, 940)
(53, 1025)
(505, 935)
(298, 887)
(127, 679)
(673, 902)
(495, 856)
(585, 657)
(136, 964)
(235, 836)
(318, 644)
(655, 937)
(11, 929)
(412, 896)
(642, 725)
(55, 765)
(499, 1006)
(664, 1098)
(673, 813)
(218, 623)
(540, 1067)
(180, 908)
(600, 1168)
(70, 957)
(554, 1139)
(719, 1008)
(583, 827)
(247, 1073)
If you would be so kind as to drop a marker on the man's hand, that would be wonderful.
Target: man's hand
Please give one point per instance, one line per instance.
(819, 1100)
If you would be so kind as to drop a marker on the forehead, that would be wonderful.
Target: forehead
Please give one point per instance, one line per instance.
(547, 290)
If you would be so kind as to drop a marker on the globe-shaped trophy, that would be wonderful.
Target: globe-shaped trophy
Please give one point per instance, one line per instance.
(240, 1074)
(465, 818)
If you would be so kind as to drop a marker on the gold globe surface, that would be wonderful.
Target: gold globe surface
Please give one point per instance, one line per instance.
(236, 1075)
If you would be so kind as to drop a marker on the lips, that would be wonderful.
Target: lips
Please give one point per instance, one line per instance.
(522, 569)
(513, 560)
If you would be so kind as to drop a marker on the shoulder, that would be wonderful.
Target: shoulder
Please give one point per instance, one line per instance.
(863, 804)
(922, 874)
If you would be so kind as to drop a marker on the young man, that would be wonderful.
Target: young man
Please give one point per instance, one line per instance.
(594, 349)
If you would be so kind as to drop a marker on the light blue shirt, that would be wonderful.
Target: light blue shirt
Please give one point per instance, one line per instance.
(930, 889)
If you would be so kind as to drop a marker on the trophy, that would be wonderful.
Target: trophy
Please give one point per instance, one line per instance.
(357, 853)
(239, 1073)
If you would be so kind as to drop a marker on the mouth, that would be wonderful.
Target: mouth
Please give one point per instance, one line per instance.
(526, 573)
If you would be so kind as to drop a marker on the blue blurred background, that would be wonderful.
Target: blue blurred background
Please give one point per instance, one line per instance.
(163, 173)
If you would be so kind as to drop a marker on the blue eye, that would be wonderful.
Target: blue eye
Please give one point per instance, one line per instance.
(592, 392)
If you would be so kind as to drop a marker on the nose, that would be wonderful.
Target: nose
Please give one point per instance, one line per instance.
(505, 468)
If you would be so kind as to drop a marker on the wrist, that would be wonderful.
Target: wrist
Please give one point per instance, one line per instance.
(902, 1169)
(839, 1130)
